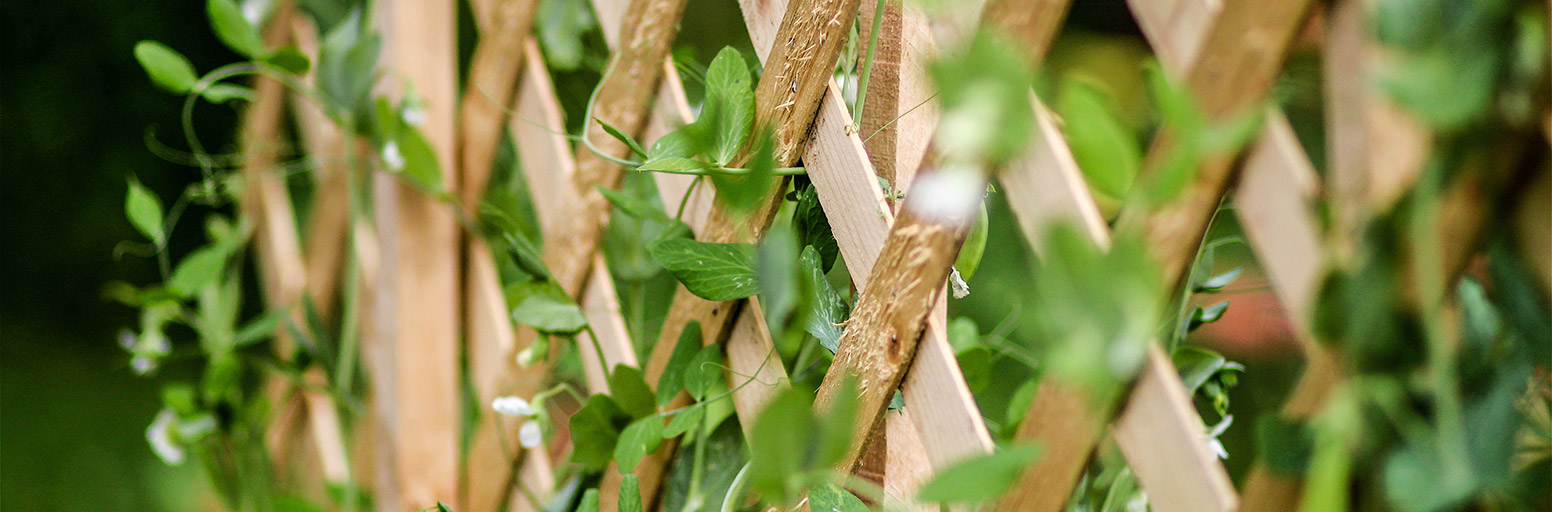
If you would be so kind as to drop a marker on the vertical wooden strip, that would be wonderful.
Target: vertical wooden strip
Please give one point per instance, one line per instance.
(544, 155)
(1164, 443)
(421, 241)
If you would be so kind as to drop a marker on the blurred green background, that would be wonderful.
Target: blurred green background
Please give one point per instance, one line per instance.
(75, 115)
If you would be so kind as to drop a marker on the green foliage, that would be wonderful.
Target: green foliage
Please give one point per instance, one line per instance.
(1099, 309)
(145, 212)
(832, 498)
(811, 225)
(347, 68)
(829, 309)
(672, 380)
(794, 448)
(983, 91)
(545, 307)
(716, 272)
(595, 430)
(970, 252)
(226, 18)
(979, 478)
(1103, 146)
(641, 437)
(561, 26)
(166, 67)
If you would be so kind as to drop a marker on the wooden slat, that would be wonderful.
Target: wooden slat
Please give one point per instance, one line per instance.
(883, 333)
(544, 155)
(939, 404)
(267, 203)
(418, 392)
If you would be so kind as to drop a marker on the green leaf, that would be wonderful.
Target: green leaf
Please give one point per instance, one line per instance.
(672, 380)
(1196, 365)
(634, 206)
(782, 432)
(641, 437)
(627, 140)
(1207, 315)
(979, 479)
(703, 371)
(260, 328)
(222, 93)
(289, 59)
(560, 27)
(1215, 283)
(443, 507)
(630, 494)
(975, 245)
(742, 193)
(813, 228)
(715, 272)
(832, 498)
(545, 307)
(778, 272)
(1284, 445)
(1104, 147)
(630, 391)
(673, 163)
(676, 144)
(963, 333)
(197, 270)
(145, 212)
(527, 257)
(976, 365)
(227, 19)
(684, 421)
(166, 67)
(729, 105)
(589, 501)
(835, 425)
(421, 166)
(829, 308)
(595, 429)
(347, 64)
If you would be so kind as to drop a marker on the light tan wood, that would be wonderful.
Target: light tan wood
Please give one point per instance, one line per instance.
(882, 335)
(898, 116)
(420, 238)
(544, 155)
(1162, 437)
(1050, 187)
(1242, 55)
(623, 99)
(906, 467)
(266, 203)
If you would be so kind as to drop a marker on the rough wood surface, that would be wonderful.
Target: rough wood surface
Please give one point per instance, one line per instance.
(1242, 54)
(420, 306)
(882, 335)
(544, 154)
(624, 98)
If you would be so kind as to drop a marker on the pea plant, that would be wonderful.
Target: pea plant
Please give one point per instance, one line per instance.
(795, 347)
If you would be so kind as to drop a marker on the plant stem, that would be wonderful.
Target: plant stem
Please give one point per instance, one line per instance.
(867, 63)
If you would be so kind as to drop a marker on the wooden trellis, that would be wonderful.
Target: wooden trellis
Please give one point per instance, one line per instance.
(429, 284)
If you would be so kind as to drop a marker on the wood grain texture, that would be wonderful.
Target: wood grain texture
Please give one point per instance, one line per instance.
(265, 201)
(1165, 444)
(898, 116)
(624, 98)
(1241, 56)
(421, 301)
(493, 71)
(883, 333)
(545, 157)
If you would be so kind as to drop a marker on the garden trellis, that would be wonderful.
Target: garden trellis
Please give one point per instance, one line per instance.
(429, 292)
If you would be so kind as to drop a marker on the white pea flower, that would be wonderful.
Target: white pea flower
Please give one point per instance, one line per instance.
(127, 339)
(1212, 436)
(958, 285)
(414, 114)
(530, 434)
(392, 157)
(254, 10)
(159, 434)
(513, 406)
(142, 365)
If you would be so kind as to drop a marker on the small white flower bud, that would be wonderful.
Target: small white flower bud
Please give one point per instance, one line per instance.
(513, 406)
(392, 158)
(159, 434)
(530, 434)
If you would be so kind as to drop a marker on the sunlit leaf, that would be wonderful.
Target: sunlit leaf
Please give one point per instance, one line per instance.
(979, 479)
(144, 210)
(166, 67)
(545, 307)
(829, 308)
(197, 270)
(1104, 147)
(641, 437)
(672, 379)
(227, 19)
(717, 272)
(831, 498)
